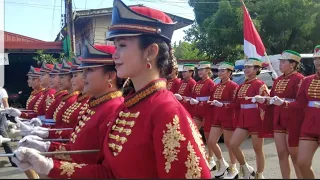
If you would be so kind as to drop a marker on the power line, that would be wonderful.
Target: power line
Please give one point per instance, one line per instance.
(52, 25)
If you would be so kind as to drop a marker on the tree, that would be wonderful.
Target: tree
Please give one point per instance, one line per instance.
(286, 24)
(187, 51)
(48, 58)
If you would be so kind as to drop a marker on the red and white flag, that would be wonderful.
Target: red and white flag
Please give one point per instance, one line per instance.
(253, 46)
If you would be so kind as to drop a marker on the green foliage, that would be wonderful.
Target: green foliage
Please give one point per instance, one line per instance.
(49, 58)
(187, 51)
(282, 24)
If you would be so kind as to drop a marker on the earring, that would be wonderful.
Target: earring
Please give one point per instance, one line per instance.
(109, 84)
(149, 66)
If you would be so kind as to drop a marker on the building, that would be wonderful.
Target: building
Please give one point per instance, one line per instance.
(93, 25)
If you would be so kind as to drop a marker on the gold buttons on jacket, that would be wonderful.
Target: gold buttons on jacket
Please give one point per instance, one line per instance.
(243, 90)
(121, 130)
(281, 85)
(314, 89)
(218, 92)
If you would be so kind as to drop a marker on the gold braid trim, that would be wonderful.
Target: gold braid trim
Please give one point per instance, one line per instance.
(62, 156)
(109, 96)
(60, 92)
(69, 168)
(70, 95)
(171, 143)
(145, 93)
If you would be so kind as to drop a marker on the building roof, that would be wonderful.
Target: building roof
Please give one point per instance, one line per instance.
(83, 15)
(19, 43)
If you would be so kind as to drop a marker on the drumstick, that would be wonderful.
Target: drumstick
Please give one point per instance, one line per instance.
(56, 153)
(61, 129)
(56, 140)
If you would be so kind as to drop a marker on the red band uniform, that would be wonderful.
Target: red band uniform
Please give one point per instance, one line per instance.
(153, 136)
(223, 117)
(202, 92)
(186, 89)
(250, 115)
(174, 83)
(288, 120)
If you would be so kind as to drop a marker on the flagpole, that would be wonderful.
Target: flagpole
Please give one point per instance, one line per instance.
(275, 76)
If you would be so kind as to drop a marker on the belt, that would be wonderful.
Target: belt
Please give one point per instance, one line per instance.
(314, 104)
(249, 106)
(42, 117)
(289, 100)
(204, 98)
(48, 121)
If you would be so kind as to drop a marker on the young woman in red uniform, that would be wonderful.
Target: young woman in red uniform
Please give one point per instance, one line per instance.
(249, 118)
(222, 120)
(31, 105)
(287, 121)
(185, 90)
(173, 82)
(101, 82)
(308, 98)
(171, 146)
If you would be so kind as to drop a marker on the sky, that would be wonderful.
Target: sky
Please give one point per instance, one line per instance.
(41, 19)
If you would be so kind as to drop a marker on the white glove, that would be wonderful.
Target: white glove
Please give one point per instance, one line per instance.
(258, 99)
(30, 137)
(41, 146)
(317, 105)
(217, 103)
(13, 112)
(36, 122)
(27, 158)
(14, 133)
(276, 101)
(193, 101)
(178, 96)
(40, 133)
(4, 140)
(9, 123)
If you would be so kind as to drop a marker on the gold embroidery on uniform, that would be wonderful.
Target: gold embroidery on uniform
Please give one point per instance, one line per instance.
(36, 105)
(243, 90)
(170, 140)
(314, 89)
(70, 95)
(262, 113)
(198, 88)
(145, 93)
(198, 139)
(62, 156)
(31, 97)
(182, 88)
(218, 92)
(68, 168)
(281, 85)
(49, 100)
(192, 164)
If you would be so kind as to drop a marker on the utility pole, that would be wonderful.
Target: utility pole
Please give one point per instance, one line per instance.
(70, 25)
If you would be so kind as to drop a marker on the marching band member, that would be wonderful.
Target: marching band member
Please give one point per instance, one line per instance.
(173, 82)
(171, 146)
(34, 79)
(54, 101)
(308, 98)
(249, 119)
(222, 120)
(287, 121)
(201, 94)
(186, 87)
(101, 82)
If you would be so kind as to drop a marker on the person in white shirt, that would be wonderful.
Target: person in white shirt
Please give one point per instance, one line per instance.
(3, 120)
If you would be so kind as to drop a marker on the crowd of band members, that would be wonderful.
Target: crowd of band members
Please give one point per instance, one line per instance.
(152, 130)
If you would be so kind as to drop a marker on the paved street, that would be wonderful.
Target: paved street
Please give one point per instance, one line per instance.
(272, 169)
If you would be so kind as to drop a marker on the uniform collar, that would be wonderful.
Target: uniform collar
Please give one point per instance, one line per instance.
(70, 95)
(135, 97)
(97, 101)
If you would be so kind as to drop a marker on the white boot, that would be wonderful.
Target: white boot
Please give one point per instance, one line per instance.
(233, 172)
(259, 176)
(222, 168)
(247, 171)
(212, 164)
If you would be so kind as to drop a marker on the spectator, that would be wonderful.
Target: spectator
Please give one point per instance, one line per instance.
(3, 119)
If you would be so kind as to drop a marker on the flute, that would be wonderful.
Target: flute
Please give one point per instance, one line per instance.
(55, 140)
(61, 129)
